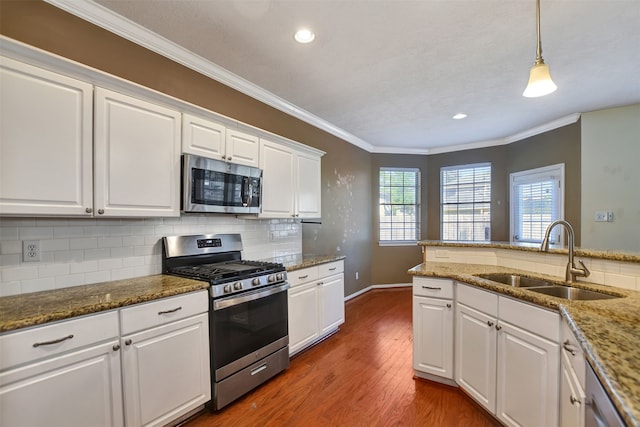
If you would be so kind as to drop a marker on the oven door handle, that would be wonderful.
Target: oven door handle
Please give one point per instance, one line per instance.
(260, 293)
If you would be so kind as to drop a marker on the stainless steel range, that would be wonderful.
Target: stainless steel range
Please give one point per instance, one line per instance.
(248, 323)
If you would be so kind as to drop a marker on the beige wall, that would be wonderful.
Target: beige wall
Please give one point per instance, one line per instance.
(611, 178)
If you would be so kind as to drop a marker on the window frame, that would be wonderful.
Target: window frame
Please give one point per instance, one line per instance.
(556, 172)
(416, 205)
(443, 204)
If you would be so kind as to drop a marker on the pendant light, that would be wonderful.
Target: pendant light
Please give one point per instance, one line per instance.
(540, 83)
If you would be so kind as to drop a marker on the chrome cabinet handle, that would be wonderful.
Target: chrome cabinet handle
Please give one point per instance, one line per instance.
(160, 313)
(303, 277)
(38, 344)
(332, 269)
(320, 283)
(224, 157)
(568, 347)
(431, 288)
(88, 210)
(229, 158)
(498, 327)
(128, 342)
(116, 347)
(574, 400)
(448, 305)
(489, 323)
(100, 211)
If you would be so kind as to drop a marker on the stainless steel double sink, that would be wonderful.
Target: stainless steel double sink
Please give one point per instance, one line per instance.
(545, 287)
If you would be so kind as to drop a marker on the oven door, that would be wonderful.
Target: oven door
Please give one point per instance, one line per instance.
(248, 327)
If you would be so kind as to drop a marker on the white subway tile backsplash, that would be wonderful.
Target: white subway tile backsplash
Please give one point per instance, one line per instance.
(620, 281)
(37, 285)
(79, 251)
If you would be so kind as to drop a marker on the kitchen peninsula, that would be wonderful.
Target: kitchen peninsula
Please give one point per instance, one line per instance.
(607, 329)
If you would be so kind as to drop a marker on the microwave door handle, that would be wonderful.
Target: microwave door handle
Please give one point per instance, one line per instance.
(250, 197)
(243, 194)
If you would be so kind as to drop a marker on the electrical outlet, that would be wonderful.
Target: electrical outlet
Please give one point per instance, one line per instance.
(30, 250)
(356, 275)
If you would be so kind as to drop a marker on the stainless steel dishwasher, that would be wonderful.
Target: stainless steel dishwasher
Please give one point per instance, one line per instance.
(599, 411)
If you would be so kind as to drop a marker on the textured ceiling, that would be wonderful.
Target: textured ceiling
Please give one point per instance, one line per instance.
(394, 72)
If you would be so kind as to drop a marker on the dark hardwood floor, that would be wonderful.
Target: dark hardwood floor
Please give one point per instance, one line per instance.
(361, 376)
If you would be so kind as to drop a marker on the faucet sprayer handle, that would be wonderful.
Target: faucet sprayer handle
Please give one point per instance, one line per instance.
(584, 268)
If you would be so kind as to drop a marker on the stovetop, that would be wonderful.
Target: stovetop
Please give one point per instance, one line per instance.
(221, 272)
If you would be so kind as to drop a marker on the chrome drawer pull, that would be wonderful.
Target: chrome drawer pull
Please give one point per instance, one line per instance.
(38, 344)
(169, 311)
(448, 305)
(431, 288)
(489, 323)
(568, 347)
(303, 277)
(574, 400)
(259, 369)
(332, 269)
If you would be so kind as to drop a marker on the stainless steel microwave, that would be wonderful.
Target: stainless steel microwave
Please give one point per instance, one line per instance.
(210, 185)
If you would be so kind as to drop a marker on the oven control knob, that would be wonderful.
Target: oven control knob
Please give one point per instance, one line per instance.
(227, 289)
(237, 286)
(255, 282)
(279, 276)
(271, 279)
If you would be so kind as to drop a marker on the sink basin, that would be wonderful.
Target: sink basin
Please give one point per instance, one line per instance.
(515, 280)
(571, 293)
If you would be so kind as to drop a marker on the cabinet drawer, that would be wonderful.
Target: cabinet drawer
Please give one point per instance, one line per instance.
(325, 270)
(162, 311)
(305, 275)
(533, 319)
(484, 301)
(572, 352)
(53, 339)
(434, 288)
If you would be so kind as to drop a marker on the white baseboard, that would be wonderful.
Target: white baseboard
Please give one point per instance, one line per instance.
(367, 289)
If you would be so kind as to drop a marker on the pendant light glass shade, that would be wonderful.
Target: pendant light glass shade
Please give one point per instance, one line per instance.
(540, 83)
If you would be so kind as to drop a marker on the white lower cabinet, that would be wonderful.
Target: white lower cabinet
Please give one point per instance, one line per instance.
(573, 381)
(81, 372)
(63, 374)
(316, 304)
(508, 357)
(433, 327)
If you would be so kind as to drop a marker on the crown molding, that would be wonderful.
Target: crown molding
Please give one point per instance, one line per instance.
(123, 27)
(117, 24)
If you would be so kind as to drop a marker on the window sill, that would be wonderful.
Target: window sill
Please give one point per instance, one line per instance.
(398, 243)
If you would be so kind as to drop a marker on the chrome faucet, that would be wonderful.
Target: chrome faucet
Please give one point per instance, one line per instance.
(572, 271)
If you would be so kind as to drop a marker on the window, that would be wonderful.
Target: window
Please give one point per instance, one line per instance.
(466, 202)
(399, 204)
(537, 201)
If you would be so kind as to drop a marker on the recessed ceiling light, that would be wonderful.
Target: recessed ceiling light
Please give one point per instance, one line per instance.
(459, 116)
(304, 36)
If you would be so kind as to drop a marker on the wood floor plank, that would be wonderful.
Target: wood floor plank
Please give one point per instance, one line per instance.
(361, 376)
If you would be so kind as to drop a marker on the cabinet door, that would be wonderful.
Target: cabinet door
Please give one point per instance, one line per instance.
(303, 316)
(242, 148)
(166, 371)
(277, 165)
(45, 142)
(203, 137)
(308, 191)
(82, 388)
(433, 336)
(528, 374)
(137, 157)
(572, 399)
(331, 303)
(476, 355)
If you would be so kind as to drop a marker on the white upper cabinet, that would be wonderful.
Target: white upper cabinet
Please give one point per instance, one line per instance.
(45, 142)
(203, 137)
(213, 140)
(242, 148)
(137, 157)
(290, 181)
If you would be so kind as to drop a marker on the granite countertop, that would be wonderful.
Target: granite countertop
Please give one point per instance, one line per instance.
(531, 247)
(607, 329)
(21, 311)
(299, 261)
